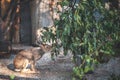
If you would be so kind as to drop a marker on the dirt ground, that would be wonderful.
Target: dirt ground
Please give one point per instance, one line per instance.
(59, 69)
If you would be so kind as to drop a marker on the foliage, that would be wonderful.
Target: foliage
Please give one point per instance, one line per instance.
(114, 77)
(87, 29)
(12, 77)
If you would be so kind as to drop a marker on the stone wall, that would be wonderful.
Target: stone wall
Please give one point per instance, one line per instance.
(41, 17)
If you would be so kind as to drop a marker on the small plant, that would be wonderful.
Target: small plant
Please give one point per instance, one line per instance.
(12, 77)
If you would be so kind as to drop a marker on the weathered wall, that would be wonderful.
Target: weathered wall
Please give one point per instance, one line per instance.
(41, 17)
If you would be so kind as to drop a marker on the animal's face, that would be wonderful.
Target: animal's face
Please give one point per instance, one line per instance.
(46, 48)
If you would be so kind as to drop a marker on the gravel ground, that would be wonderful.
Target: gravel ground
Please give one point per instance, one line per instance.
(60, 69)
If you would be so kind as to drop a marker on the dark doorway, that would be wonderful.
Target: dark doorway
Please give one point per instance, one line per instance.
(26, 28)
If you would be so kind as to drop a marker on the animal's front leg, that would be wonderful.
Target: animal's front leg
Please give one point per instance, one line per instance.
(33, 69)
(25, 65)
(32, 65)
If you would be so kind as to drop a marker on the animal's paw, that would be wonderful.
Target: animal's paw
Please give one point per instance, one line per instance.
(25, 71)
(35, 71)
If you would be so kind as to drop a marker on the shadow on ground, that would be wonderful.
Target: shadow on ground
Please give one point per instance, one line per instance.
(60, 69)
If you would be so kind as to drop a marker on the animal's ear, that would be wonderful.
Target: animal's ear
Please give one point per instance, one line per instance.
(42, 46)
(46, 47)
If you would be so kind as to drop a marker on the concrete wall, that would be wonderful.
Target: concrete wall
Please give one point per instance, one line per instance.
(41, 17)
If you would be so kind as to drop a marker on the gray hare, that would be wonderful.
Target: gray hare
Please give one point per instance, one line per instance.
(29, 57)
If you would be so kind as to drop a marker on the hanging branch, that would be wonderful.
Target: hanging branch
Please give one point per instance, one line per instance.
(12, 3)
(9, 18)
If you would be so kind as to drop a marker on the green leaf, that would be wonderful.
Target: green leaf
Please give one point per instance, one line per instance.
(87, 68)
(12, 77)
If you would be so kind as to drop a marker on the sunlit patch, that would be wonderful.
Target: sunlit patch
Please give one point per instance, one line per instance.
(40, 32)
(17, 10)
(8, 1)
